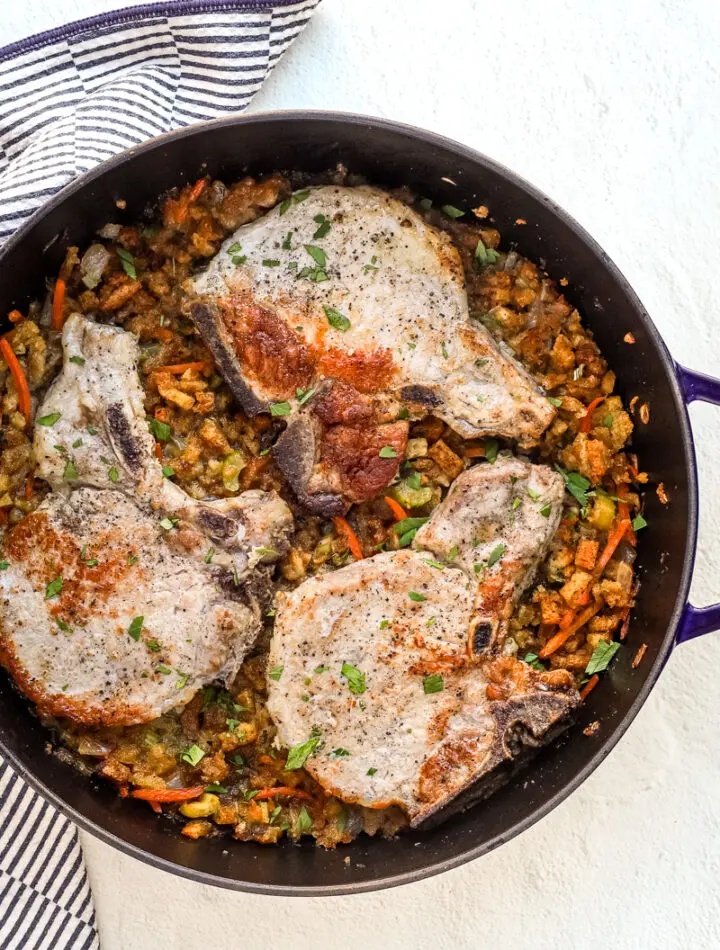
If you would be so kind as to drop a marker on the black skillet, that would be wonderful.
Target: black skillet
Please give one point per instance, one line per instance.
(391, 154)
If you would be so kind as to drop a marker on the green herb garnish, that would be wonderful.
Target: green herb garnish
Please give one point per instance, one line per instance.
(193, 755)
(161, 430)
(317, 254)
(355, 678)
(418, 598)
(135, 628)
(638, 523)
(576, 484)
(387, 452)
(70, 473)
(324, 226)
(280, 409)
(276, 673)
(452, 212)
(433, 684)
(50, 419)
(113, 474)
(602, 655)
(496, 553)
(533, 660)
(491, 447)
(336, 319)
(299, 753)
(127, 261)
(53, 588)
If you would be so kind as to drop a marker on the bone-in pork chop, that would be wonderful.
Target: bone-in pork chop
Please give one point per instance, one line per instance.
(350, 286)
(376, 666)
(96, 434)
(101, 622)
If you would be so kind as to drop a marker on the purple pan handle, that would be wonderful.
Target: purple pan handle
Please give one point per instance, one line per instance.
(697, 620)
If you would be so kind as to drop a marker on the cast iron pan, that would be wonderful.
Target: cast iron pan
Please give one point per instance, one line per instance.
(392, 154)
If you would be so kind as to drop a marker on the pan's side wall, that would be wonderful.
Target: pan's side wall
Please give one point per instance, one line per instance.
(392, 156)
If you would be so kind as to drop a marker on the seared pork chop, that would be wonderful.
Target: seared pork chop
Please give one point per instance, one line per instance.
(96, 434)
(379, 664)
(351, 285)
(101, 622)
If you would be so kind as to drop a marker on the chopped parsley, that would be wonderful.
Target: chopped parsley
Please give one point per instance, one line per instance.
(338, 753)
(576, 484)
(78, 360)
(516, 504)
(317, 254)
(280, 409)
(70, 473)
(53, 588)
(90, 561)
(182, 682)
(302, 397)
(433, 684)
(371, 266)
(453, 552)
(4, 565)
(384, 624)
(533, 660)
(153, 646)
(271, 552)
(371, 771)
(65, 627)
(287, 242)
(437, 564)
(217, 789)
(128, 262)
(418, 598)
(403, 413)
(324, 226)
(167, 524)
(387, 452)
(193, 755)
(210, 554)
(496, 553)
(485, 255)
(135, 628)
(237, 260)
(92, 430)
(413, 480)
(299, 753)
(491, 447)
(168, 471)
(271, 262)
(132, 559)
(303, 822)
(337, 319)
(602, 655)
(355, 678)
(234, 248)
(444, 350)
(554, 401)
(321, 669)
(113, 474)
(161, 668)
(546, 510)
(293, 199)
(50, 419)
(608, 421)
(276, 673)
(452, 212)
(638, 523)
(161, 430)
(77, 443)
(535, 495)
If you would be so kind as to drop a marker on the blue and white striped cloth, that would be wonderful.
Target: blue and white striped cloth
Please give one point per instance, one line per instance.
(69, 99)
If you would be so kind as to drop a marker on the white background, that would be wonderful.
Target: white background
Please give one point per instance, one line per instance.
(612, 108)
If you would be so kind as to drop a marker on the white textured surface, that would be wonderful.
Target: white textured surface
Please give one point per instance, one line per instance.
(613, 109)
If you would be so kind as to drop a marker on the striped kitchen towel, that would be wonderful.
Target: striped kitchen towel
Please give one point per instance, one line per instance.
(69, 99)
(72, 97)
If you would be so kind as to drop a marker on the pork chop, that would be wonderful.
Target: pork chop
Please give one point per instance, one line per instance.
(377, 672)
(351, 285)
(102, 623)
(92, 431)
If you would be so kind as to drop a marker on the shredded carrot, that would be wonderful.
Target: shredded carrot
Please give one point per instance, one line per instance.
(21, 383)
(163, 334)
(564, 634)
(162, 414)
(614, 538)
(474, 452)
(14, 316)
(159, 451)
(589, 686)
(179, 368)
(624, 512)
(639, 655)
(168, 794)
(3, 516)
(265, 759)
(586, 423)
(123, 791)
(342, 527)
(156, 807)
(197, 190)
(57, 304)
(398, 511)
(282, 790)
(29, 487)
